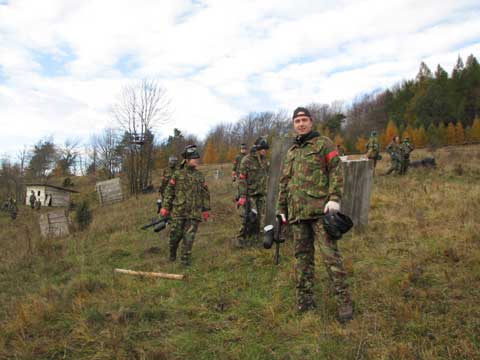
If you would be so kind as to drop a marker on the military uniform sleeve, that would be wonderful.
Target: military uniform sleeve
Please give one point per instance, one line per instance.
(205, 196)
(335, 172)
(243, 178)
(282, 205)
(163, 182)
(170, 192)
(235, 164)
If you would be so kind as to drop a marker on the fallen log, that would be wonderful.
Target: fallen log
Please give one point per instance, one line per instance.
(151, 274)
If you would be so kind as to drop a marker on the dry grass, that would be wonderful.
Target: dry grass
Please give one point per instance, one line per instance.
(415, 280)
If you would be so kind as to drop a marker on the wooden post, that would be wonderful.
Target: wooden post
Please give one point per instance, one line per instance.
(151, 274)
(358, 180)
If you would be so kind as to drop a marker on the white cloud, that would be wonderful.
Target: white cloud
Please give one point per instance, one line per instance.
(218, 59)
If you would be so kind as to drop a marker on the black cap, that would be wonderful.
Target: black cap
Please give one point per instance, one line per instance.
(261, 143)
(298, 112)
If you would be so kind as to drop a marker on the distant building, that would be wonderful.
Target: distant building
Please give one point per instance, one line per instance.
(49, 195)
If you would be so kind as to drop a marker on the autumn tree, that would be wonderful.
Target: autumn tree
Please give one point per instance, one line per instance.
(210, 156)
(451, 134)
(360, 144)
(459, 133)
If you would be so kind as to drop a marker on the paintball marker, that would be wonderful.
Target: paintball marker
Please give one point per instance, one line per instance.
(273, 234)
(159, 205)
(159, 224)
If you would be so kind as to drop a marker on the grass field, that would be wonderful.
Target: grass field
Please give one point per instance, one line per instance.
(415, 279)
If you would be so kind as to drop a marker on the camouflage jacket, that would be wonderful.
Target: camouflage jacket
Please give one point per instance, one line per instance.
(311, 177)
(253, 175)
(406, 148)
(372, 148)
(187, 194)
(393, 149)
(165, 178)
(236, 163)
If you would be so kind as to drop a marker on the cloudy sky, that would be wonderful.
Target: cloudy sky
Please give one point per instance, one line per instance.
(64, 62)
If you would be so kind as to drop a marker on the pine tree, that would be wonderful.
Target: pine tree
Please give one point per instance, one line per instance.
(459, 133)
(360, 145)
(442, 134)
(408, 133)
(391, 131)
(420, 137)
(231, 153)
(210, 156)
(475, 134)
(451, 135)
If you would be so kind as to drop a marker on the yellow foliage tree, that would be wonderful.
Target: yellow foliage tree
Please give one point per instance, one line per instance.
(459, 133)
(390, 132)
(408, 133)
(360, 145)
(451, 134)
(210, 156)
(475, 132)
(231, 153)
(339, 140)
(420, 137)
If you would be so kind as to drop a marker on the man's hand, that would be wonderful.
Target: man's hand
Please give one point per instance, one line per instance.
(205, 215)
(332, 206)
(242, 201)
(164, 212)
(284, 219)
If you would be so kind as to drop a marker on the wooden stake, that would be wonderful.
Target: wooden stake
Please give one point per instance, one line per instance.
(151, 274)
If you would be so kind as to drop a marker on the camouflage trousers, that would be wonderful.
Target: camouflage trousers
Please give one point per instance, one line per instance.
(395, 166)
(304, 235)
(183, 229)
(249, 235)
(404, 165)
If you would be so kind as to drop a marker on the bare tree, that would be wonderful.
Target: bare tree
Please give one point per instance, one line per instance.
(68, 156)
(105, 150)
(140, 108)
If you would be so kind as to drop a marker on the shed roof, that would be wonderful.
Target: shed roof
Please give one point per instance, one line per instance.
(53, 187)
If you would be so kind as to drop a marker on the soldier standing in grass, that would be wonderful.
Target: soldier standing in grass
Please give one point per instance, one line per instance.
(405, 149)
(186, 202)
(252, 188)
(167, 174)
(238, 160)
(310, 186)
(393, 149)
(373, 148)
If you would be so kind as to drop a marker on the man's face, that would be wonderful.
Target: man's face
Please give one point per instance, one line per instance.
(243, 150)
(263, 152)
(193, 162)
(302, 124)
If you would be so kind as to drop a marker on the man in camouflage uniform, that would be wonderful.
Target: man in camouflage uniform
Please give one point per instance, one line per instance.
(405, 149)
(373, 148)
(186, 202)
(167, 174)
(32, 199)
(252, 188)
(310, 186)
(393, 149)
(238, 160)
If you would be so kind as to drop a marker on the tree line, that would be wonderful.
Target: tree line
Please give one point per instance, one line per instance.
(434, 109)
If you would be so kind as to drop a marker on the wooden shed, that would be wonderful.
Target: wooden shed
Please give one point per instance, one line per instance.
(49, 195)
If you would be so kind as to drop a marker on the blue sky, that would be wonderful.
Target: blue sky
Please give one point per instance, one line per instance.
(63, 63)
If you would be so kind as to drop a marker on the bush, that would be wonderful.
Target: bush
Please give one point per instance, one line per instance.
(83, 215)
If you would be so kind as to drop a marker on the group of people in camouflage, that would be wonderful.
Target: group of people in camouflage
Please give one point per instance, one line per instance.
(310, 187)
(399, 153)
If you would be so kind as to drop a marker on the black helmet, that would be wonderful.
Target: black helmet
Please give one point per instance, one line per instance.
(191, 152)
(336, 224)
(261, 143)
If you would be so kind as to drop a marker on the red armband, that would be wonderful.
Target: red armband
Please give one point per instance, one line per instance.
(243, 176)
(330, 156)
(172, 182)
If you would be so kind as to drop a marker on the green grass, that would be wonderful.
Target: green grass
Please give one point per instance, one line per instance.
(415, 279)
